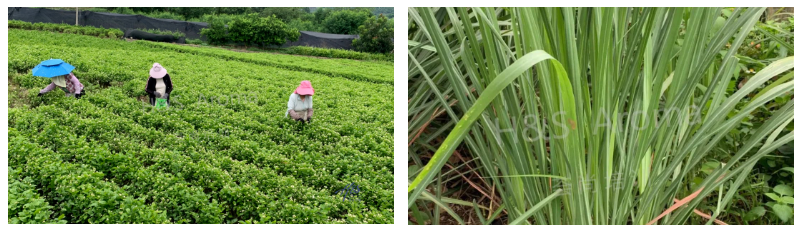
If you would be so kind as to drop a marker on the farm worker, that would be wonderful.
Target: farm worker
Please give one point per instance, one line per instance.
(67, 83)
(159, 84)
(299, 106)
(60, 74)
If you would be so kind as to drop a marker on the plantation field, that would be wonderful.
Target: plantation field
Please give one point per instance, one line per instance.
(222, 153)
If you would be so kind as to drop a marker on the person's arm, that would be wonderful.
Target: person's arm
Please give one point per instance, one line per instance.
(291, 106)
(76, 83)
(151, 86)
(311, 110)
(168, 82)
(48, 88)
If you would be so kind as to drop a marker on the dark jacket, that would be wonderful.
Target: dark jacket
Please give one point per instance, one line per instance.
(151, 85)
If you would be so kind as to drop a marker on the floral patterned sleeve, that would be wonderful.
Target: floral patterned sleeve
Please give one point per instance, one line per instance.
(48, 88)
(76, 84)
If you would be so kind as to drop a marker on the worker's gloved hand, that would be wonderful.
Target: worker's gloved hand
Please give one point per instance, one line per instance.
(78, 96)
(39, 95)
(166, 95)
(157, 94)
(308, 120)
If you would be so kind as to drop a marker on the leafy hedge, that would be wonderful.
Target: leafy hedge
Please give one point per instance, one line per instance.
(338, 53)
(78, 191)
(345, 21)
(176, 34)
(216, 32)
(250, 29)
(66, 28)
(25, 205)
(375, 36)
(194, 41)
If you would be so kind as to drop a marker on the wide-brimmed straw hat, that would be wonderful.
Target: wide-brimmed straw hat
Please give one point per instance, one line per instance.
(305, 88)
(157, 71)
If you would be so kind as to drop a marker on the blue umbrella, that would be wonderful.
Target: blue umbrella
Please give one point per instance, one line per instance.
(51, 68)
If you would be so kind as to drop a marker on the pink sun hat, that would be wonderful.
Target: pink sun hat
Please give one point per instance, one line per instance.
(305, 88)
(157, 71)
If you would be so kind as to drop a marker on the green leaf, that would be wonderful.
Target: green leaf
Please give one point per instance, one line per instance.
(726, 12)
(466, 122)
(755, 213)
(784, 212)
(783, 190)
(786, 200)
(787, 77)
(710, 166)
(536, 207)
(413, 169)
(718, 24)
(427, 47)
(786, 149)
(773, 196)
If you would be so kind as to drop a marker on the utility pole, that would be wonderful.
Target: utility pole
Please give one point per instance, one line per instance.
(76, 16)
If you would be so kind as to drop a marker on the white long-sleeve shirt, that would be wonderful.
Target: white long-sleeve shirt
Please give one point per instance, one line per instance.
(161, 88)
(298, 105)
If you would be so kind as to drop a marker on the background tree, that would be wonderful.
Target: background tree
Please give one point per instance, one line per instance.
(306, 22)
(375, 36)
(233, 10)
(193, 12)
(321, 13)
(217, 32)
(148, 10)
(389, 12)
(337, 20)
(345, 21)
(254, 30)
(285, 14)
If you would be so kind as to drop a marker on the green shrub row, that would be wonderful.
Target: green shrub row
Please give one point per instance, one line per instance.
(25, 205)
(69, 29)
(76, 190)
(86, 68)
(176, 34)
(35, 37)
(182, 202)
(334, 71)
(215, 172)
(338, 53)
(194, 41)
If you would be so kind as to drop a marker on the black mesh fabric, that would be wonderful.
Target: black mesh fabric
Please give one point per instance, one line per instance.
(42, 15)
(111, 20)
(123, 22)
(323, 40)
